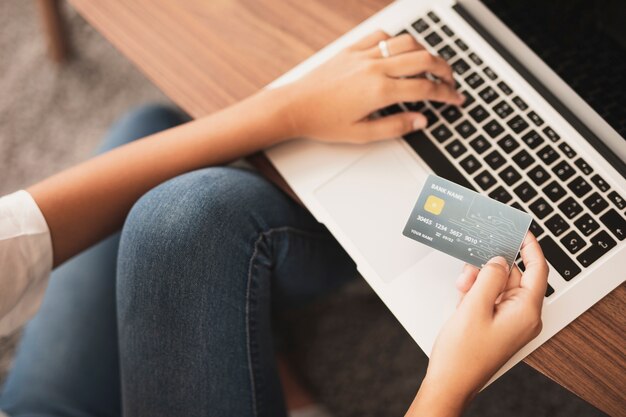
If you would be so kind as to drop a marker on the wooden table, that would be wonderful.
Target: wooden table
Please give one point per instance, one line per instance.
(207, 54)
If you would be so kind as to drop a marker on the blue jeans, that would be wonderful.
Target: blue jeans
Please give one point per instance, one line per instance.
(174, 317)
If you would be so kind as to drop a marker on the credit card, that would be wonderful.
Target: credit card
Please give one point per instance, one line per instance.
(465, 224)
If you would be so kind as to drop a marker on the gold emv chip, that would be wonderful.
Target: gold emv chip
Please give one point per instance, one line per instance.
(434, 204)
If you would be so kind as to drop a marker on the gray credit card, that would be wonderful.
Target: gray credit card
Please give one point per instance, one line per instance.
(465, 224)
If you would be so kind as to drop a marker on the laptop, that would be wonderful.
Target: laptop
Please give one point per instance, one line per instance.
(542, 129)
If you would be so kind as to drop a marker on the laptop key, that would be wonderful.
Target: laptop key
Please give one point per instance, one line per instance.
(504, 87)
(561, 262)
(510, 176)
(456, 148)
(518, 124)
(583, 166)
(563, 170)
(570, 208)
(541, 208)
(538, 121)
(532, 139)
(474, 80)
(567, 150)
(523, 159)
(521, 104)
(573, 242)
(617, 199)
(465, 129)
(468, 100)
(551, 134)
(451, 114)
(462, 46)
(503, 109)
(554, 191)
(470, 164)
(389, 110)
(548, 155)
(475, 58)
(490, 74)
(433, 39)
(415, 105)
(495, 160)
(493, 129)
(586, 224)
(488, 94)
(615, 223)
(601, 243)
(525, 191)
(420, 26)
(549, 291)
(460, 66)
(479, 113)
(579, 186)
(557, 225)
(434, 17)
(501, 195)
(536, 229)
(538, 175)
(445, 29)
(508, 144)
(596, 203)
(485, 180)
(480, 144)
(600, 183)
(441, 133)
(446, 52)
(431, 117)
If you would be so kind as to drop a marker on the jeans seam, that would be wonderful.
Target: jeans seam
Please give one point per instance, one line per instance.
(258, 240)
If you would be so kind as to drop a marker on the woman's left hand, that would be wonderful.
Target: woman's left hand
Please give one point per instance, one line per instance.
(334, 102)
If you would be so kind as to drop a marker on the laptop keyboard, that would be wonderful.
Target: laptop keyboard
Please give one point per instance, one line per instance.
(577, 216)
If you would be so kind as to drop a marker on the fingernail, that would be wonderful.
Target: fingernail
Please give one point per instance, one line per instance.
(419, 123)
(461, 97)
(500, 261)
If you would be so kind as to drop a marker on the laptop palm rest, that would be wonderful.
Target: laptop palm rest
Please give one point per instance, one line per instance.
(370, 202)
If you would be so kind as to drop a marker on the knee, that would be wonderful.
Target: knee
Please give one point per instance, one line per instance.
(197, 214)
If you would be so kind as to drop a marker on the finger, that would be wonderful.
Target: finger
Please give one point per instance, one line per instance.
(467, 278)
(370, 41)
(418, 62)
(389, 127)
(515, 277)
(489, 284)
(419, 89)
(535, 277)
(397, 46)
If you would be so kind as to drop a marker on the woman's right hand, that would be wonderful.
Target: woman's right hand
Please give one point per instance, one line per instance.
(499, 313)
(334, 102)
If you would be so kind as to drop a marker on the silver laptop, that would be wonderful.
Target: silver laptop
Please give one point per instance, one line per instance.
(523, 136)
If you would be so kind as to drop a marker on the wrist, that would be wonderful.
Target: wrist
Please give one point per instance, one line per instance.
(439, 399)
(277, 105)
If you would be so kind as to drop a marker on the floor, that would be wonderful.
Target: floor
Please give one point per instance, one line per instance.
(350, 350)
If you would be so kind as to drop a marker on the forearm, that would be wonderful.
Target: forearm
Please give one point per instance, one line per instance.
(438, 400)
(86, 203)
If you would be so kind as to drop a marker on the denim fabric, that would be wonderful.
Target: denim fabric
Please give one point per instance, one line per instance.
(203, 260)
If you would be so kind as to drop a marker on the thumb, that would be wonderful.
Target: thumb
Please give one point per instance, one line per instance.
(390, 126)
(490, 283)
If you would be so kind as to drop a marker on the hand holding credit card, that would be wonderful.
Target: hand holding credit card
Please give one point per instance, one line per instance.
(465, 224)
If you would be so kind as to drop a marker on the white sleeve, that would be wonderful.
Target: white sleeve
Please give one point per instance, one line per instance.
(25, 259)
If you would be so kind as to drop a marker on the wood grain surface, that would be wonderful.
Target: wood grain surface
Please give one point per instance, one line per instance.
(207, 54)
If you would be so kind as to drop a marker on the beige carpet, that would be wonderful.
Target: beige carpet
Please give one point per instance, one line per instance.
(352, 352)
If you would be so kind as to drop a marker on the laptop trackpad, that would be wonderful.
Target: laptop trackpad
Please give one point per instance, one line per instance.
(370, 203)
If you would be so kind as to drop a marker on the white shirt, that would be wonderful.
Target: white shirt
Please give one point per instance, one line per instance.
(25, 260)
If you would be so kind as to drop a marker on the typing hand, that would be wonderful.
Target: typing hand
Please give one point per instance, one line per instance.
(499, 313)
(334, 102)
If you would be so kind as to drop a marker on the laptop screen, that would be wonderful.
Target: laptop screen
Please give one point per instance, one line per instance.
(583, 41)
